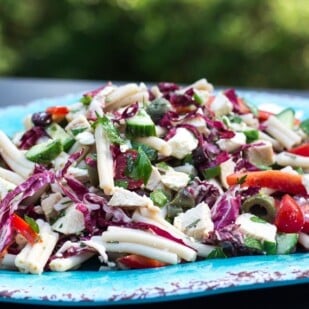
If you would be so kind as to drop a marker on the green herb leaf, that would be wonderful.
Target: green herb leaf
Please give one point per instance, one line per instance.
(78, 130)
(217, 253)
(235, 119)
(122, 183)
(257, 219)
(32, 223)
(163, 166)
(212, 172)
(109, 129)
(251, 135)
(141, 167)
(193, 224)
(241, 180)
(151, 153)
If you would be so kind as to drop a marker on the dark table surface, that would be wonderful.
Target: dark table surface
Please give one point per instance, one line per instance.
(24, 90)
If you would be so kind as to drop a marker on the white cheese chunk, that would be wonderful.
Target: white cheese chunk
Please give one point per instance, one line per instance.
(182, 143)
(256, 229)
(221, 105)
(226, 168)
(261, 153)
(71, 223)
(154, 180)
(195, 222)
(85, 138)
(175, 180)
(232, 144)
(126, 198)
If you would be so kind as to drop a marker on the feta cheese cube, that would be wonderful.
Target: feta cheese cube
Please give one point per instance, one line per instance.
(71, 223)
(221, 105)
(195, 222)
(257, 229)
(182, 143)
(175, 180)
(261, 153)
(126, 198)
(232, 144)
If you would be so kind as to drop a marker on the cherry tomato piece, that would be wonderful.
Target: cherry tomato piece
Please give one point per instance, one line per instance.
(289, 217)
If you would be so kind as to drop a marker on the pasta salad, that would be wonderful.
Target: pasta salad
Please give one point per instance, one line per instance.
(143, 176)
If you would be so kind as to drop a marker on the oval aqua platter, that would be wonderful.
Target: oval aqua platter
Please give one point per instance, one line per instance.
(88, 287)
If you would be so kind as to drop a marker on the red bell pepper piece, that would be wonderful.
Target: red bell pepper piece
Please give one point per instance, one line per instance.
(301, 150)
(57, 112)
(24, 228)
(138, 261)
(273, 179)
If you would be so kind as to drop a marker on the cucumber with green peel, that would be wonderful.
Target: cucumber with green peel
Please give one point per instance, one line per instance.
(287, 117)
(55, 131)
(304, 125)
(45, 152)
(286, 242)
(140, 125)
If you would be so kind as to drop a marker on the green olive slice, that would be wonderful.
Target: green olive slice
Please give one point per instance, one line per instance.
(261, 205)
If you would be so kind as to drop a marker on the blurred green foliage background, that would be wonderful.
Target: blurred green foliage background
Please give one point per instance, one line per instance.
(245, 43)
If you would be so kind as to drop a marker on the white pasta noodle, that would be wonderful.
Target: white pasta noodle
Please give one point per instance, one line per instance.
(147, 251)
(14, 157)
(11, 176)
(33, 258)
(121, 93)
(70, 263)
(287, 137)
(137, 97)
(201, 249)
(122, 234)
(265, 137)
(290, 159)
(105, 161)
(157, 143)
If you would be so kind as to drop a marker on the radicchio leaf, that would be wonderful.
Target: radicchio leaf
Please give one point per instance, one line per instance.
(12, 200)
(226, 209)
(30, 137)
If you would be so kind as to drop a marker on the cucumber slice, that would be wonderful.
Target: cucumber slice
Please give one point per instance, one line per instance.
(287, 116)
(55, 131)
(140, 125)
(286, 242)
(304, 125)
(44, 152)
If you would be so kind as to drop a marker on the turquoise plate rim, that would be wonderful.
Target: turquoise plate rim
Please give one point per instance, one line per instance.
(182, 281)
